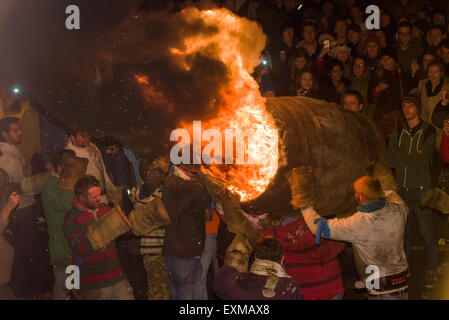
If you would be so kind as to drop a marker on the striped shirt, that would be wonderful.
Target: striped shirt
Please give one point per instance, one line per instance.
(98, 269)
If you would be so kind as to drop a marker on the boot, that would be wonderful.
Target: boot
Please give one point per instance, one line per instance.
(437, 199)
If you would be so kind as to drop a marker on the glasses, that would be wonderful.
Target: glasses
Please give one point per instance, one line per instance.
(359, 65)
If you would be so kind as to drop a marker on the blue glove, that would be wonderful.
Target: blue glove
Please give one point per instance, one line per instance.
(323, 230)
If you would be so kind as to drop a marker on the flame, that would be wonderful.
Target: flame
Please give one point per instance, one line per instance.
(237, 43)
(150, 93)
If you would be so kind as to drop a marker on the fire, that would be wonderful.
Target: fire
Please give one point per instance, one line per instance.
(237, 43)
(150, 93)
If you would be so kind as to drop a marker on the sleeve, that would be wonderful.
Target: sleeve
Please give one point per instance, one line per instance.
(225, 278)
(394, 156)
(444, 148)
(76, 236)
(343, 229)
(3, 223)
(60, 200)
(31, 132)
(372, 84)
(109, 185)
(392, 197)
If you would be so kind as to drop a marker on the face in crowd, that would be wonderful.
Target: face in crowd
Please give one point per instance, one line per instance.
(81, 139)
(353, 36)
(351, 103)
(288, 34)
(358, 68)
(300, 63)
(372, 49)
(306, 81)
(427, 59)
(336, 73)
(410, 110)
(434, 37)
(92, 200)
(387, 63)
(404, 35)
(340, 29)
(308, 34)
(445, 54)
(14, 134)
(435, 74)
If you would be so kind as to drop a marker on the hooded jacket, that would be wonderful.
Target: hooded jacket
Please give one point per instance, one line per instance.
(411, 155)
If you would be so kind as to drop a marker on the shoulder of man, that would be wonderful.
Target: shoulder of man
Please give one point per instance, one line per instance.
(428, 130)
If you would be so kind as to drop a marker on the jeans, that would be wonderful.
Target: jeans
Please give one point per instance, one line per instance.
(208, 256)
(184, 276)
(425, 225)
(119, 291)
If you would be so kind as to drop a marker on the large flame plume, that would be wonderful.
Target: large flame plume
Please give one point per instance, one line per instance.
(237, 43)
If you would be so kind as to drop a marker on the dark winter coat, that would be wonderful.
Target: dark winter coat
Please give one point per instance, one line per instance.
(186, 202)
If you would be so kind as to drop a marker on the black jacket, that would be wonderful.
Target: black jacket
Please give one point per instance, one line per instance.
(186, 202)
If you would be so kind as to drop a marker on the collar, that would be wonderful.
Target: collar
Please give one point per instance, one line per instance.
(9, 148)
(372, 206)
(78, 205)
(413, 130)
(268, 268)
(431, 93)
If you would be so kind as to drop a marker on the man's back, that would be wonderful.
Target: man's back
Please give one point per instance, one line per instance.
(377, 237)
(233, 285)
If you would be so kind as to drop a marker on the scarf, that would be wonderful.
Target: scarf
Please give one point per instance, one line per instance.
(268, 268)
(437, 90)
(372, 206)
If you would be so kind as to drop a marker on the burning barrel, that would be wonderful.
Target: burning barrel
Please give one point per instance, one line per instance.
(338, 144)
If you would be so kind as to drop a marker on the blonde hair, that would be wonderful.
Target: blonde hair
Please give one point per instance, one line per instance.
(369, 187)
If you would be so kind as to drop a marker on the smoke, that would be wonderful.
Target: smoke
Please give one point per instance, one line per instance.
(89, 78)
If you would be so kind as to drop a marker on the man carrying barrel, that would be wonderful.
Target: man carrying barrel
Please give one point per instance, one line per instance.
(376, 230)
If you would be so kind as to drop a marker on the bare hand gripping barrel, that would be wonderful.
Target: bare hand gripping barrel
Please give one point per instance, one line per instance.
(338, 144)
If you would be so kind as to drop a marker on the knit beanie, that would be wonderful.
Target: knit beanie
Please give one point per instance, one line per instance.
(413, 98)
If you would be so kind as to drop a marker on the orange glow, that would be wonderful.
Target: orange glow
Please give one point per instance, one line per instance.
(237, 43)
(244, 107)
(151, 94)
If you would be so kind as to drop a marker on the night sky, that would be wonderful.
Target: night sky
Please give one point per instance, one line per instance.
(87, 77)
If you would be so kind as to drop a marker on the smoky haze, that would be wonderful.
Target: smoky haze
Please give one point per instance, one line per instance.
(87, 77)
